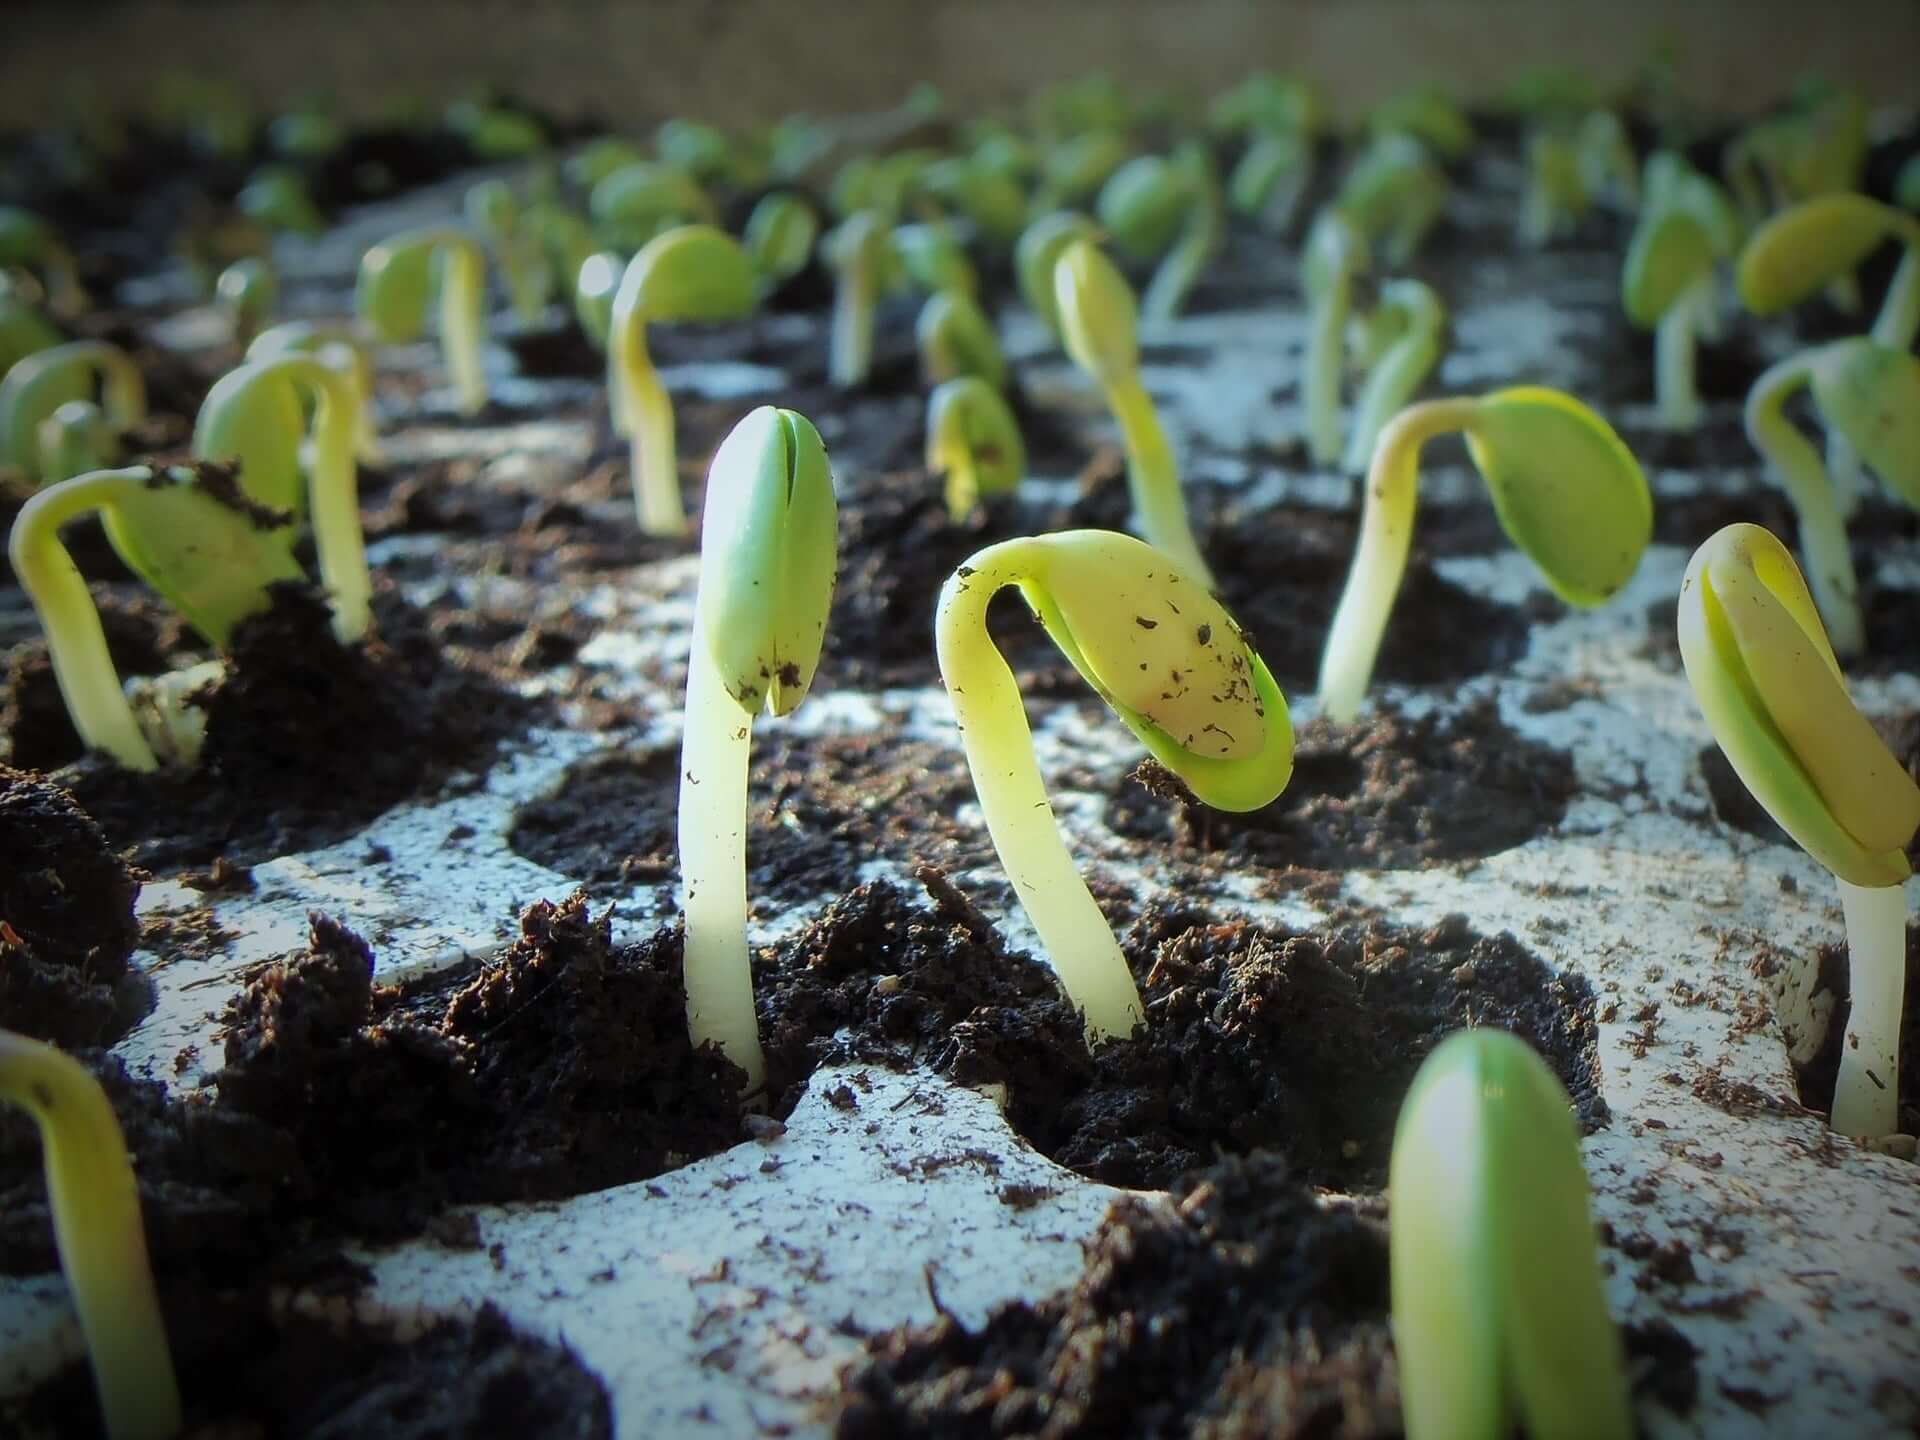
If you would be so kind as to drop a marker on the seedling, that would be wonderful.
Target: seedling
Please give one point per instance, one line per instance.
(338, 348)
(885, 184)
(1557, 198)
(1394, 193)
(308, 134)
(595, 284)
(709, 154)
(1097, 323)
(780, 237)
(28, 243)
(1405, 333)
(1266, 103)
(40, 384)
(1867, 394)
(933, 259)
(859, 253)
(1498, 1301)
(395, 279)
(208, 552)
(1564, 487)
(1770, 687)
(1071, 170)
(1427, 115)
(695, 272)
(493, 132)
(600, 158)
(1667, 281)
(1272, 174)
(1819, 241)
(637, 202)
(974, 442)
(1039, 248)
(24, 331)
(991, 200)
(1336, 252)
(518, 254)
(768, 555)
(1168, 207)
(956, 338)
(1144, 632)
(98, 1232)
(1608, 165)
(276, 196)
(249, 291)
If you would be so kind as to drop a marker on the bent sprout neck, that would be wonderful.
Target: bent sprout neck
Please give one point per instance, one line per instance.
(1399, 372)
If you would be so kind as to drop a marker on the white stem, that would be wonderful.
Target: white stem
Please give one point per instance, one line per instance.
(1866, 1097)
(1320, 388)
(1160, 509)
(1899, 317)
(714, 756)
(1006, 778)
(646, 409)
(333, 508)
(1848, 474)
(1673, 362)
(463, 325)
(851, 353)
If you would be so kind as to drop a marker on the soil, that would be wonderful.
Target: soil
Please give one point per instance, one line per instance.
(66, 920)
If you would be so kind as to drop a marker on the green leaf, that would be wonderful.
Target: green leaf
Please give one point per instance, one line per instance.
(254, 417)
(395, 282)
(1039, 247)
(1143, 205)
(1098, 314)
(1566, 489)
(692, 272)
(1670, 253)
(973, 440)
(956, 338)
(933, 259)
(1870, 393)
(1803, 249)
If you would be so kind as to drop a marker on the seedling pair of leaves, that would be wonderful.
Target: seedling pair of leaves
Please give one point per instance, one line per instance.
(51, 424)
(1166, 208)
(1667, 284)
(397, 278)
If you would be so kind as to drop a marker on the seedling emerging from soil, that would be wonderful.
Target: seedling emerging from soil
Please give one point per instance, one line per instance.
(255, 416)
(38, 386)
(1667, 286)
(1170, 207)
(1097, 322)
(859, 251)
(1498, 1301)
(1164, 654)
(208, 553)
(276, 197)
(1608, 165)
(595, 284)
(493, 211)
(395, 278)
(956, 338)
(97, 1229)
(338, 348)
(934, 260)
(1272, 174)
(24, 331)
(1336, 252)
(1772, 693)
(974, 441)
(695, 272)
(1039, 247)
(1822, 240)
(249, 291)
(1394, 193)
(28, 243)
(1405, 332)
(1427, 115)
(1071, 170)
(1565, 489)
(780, 236)
(1868, 395)
(990, 199)
(1557, 198)
(768, 555)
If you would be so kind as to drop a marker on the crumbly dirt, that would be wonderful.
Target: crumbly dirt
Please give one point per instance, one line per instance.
(307, 739)
(1387, 793)
(66, 920)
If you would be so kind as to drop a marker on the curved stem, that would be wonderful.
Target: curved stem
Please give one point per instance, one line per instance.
(1394, 379)
(78, 646)
(1380, 558)
(463, 326)
(98, 1231)
(646, 407)
(851, 346)
(1899, 318)
(1823, 530)
(1673, 361)
(993, 726)
(1153, 478)
(1167, 291)
(1320, 385)
(1866, 1097)
(963, 485)
(714, 754)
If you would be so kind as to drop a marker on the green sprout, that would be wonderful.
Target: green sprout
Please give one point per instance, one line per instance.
(1564, 487)
(933, 259)
(208, 552)
(886, 184)
(249, 291)
(395, 279)
(956, 338)
(1144, 632)
(1393, 192)
(1404, 336)
(694, 272)
(1336, 252)
(974, 442)
(1821, 240)
(339, 348)
(24, 331)
(1817, 147)
(277, 197)
(768, 557)
(1498, 1300)
(1267, 103)
(1169, 207)
(1770, 687)
(709, 154)
(600, 158)
(309, 134)
(75, 438)
(1097, 323)
(36, 387)
(1271, 176)
(1072, 170)
(992, 201)
(253, 416)
(1557, 197)
(518, 253)
(1868, 394)
(1608, 165)
(633, 204)
(1667, 280)
(29, 243)
(780, 236)
(102, 1241)
(859, 251)
(493, 132)
(1034, 256)
(1427, 115)
(595, 284)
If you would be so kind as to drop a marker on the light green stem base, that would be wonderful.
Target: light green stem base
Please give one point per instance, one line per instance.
(647, 410)
(1154, 480)
(986, 702)
(1676, 391)
(714, 755)
(463, 325)
(850, 357)
(1899, 318)
(1866, 1097)
(1320, 382)
(1380, 559)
